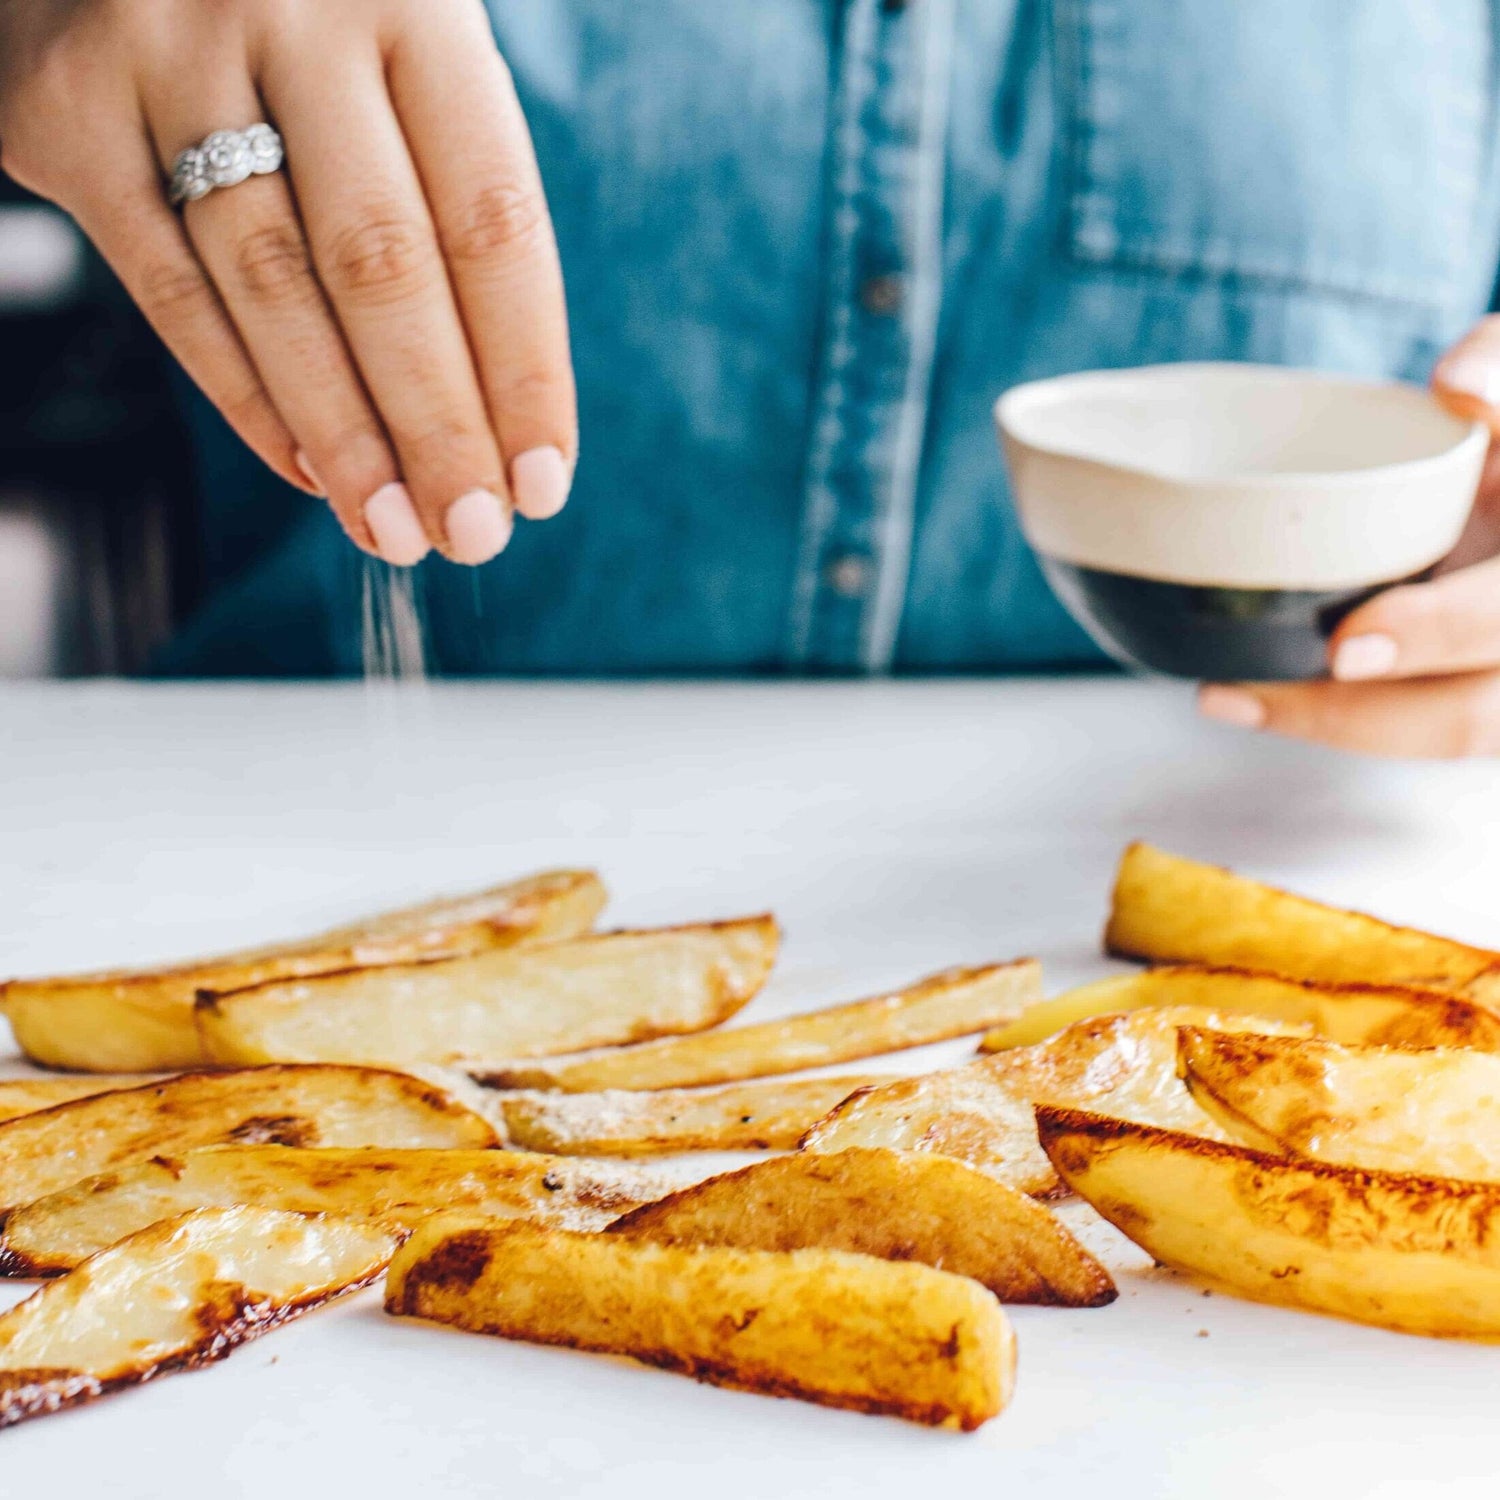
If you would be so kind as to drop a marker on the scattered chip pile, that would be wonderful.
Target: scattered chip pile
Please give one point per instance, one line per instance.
(1300, 1104)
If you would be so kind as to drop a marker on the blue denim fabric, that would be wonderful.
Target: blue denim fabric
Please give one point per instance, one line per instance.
(807, 244)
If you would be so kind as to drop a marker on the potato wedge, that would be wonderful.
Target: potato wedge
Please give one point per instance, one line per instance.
(175, 1296)
(286, 1106)
(826, 1326)
(1433, 1113)
(141, 1020)
(397, 1188)
(768, 1114)
(981, 1113)
(24, 1096)
(895, 1205)
(1173, 910)
(520, 1002)
(1355, 1014)
(1410, 1253)
(953, 1003)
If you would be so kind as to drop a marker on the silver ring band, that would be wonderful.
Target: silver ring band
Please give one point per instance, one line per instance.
(225, 158)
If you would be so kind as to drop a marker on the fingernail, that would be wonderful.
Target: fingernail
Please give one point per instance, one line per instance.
(1471, 371)
(310, 474)
(1364, 656)
(1232, 706)
(539, 481)
(478, 527)
(394, 524)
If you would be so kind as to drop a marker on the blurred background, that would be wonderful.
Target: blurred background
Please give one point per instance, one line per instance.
(94, 475)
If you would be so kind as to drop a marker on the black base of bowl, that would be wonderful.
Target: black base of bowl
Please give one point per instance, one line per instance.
(1208, 633)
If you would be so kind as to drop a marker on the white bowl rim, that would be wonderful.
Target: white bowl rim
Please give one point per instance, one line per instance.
(1467, 435)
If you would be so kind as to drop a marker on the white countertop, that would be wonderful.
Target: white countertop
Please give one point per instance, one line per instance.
(895, 829)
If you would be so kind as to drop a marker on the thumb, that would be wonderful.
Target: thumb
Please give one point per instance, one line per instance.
(1467, 378)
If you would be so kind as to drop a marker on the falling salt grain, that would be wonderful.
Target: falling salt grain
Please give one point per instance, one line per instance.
(392, 637)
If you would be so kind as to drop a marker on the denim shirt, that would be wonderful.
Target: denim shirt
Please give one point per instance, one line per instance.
(808, 242)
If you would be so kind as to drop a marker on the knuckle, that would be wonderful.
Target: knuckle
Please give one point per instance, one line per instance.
(171, 290)
(503, 220)
(532, 389)
(271, 264)
(354, 459)
(441, 444)
(245, 408)
(382, 258)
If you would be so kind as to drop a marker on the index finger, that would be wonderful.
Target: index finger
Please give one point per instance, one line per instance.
(147, 248)
(472, 148)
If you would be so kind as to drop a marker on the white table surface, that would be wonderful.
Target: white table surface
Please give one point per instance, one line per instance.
(895, 829)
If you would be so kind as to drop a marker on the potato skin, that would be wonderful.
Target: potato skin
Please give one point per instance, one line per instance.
(141, 1020)
(1167, 909)
(895, 1205)
(1411, 1253)
(1357, 1014)
(822, 1325)
(956, 1002)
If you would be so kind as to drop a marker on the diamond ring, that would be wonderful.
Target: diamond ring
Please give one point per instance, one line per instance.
(223, 159)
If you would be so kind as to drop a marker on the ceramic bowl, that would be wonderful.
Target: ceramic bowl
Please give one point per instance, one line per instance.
(1216, 521)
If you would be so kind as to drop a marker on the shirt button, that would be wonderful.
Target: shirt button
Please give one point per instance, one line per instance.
(849, 576)
(882, 295)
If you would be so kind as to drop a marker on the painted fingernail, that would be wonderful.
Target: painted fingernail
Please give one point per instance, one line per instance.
(1231, 706)
(478, 527)
(1471, 371)
(1364, 656)
(393, 522)
(539, 481)
(310, 474)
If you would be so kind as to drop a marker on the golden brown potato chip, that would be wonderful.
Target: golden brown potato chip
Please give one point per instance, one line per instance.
(141, 1020)
(1433, 1113)
(1173, 910)
(175, 1296)
(517, 1002)
(287, 1106)
(956, 1002)
(844, 1330)
(393, 1187)
(768, 1114)
(1356, 1014)
(1416, 1254)
(981, 1113)
(898, 1206)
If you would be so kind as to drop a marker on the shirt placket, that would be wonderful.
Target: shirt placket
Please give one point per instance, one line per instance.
(882, 291)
